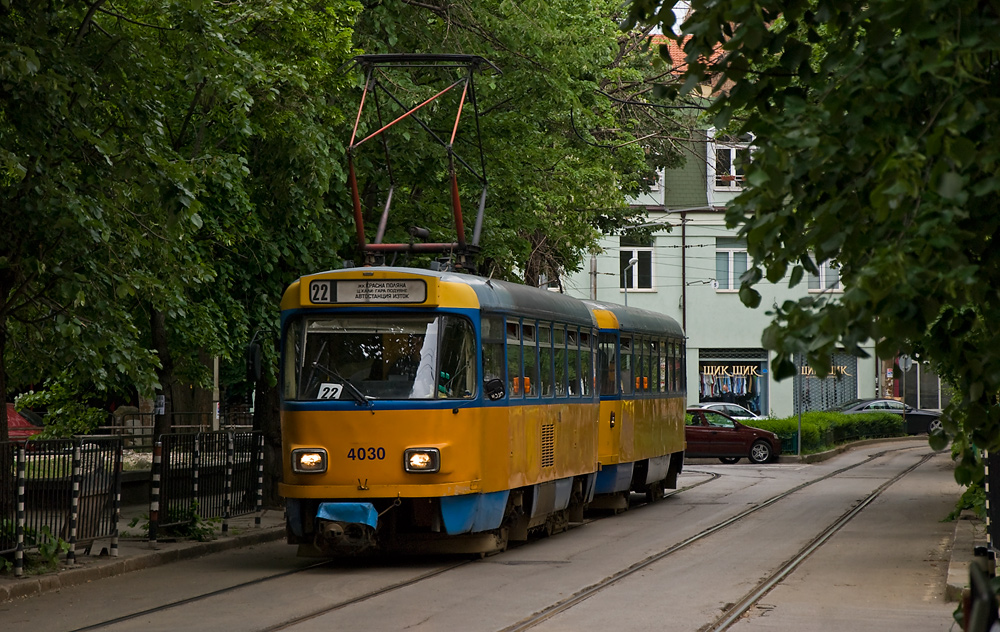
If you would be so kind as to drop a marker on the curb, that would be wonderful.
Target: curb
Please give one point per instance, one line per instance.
(823, 456)
(103, 567)
(970, 533)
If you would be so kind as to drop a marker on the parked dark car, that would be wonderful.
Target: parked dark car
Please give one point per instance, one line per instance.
(21, 426)
(712, 434)
(915, 420)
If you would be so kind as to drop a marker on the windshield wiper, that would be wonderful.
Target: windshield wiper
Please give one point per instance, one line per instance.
(356, 393)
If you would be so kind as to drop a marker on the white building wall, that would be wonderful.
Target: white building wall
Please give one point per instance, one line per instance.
(683, 268)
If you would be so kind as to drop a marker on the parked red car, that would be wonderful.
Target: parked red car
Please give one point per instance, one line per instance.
(19, 426)
(710, 433)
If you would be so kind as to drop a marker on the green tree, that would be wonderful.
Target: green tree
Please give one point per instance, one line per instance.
(567, 127)
(877, 126)
(165, 170)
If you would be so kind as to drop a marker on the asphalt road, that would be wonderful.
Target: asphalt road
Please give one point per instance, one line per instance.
(672, 565)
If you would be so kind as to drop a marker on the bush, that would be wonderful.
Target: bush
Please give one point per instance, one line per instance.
(824, 430)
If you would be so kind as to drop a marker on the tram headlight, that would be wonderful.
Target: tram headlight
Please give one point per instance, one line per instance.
(422, 460)
(309, 460)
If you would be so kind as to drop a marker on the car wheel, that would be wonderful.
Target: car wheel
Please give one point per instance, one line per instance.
(935, 425)
(760, 452)
(729, 460)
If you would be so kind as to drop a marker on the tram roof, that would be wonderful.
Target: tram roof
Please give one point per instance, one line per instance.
(512, 298)
(505, 297)
(508, 298)
(640, 320)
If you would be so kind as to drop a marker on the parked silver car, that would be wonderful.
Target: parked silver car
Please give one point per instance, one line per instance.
(732, 410)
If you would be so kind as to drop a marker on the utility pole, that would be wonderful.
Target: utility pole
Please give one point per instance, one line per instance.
(593, 277)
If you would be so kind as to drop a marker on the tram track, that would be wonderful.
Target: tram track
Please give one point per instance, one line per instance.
(737, 610)
(325, 564)
(276, 576)
(732, 614)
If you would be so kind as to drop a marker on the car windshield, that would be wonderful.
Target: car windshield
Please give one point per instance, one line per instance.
(389, 356)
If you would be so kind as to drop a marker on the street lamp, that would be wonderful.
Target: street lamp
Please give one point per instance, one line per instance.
(628, 281)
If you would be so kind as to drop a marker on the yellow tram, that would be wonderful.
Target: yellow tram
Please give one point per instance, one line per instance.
(438, 411)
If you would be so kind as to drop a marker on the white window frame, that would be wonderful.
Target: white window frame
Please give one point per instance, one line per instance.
(732, 282)
(734, 178)
(822, 283)
(630, 281)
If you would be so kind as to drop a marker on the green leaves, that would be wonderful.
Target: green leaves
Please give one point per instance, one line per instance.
(166, 160)
(878, 132)
(567, 130)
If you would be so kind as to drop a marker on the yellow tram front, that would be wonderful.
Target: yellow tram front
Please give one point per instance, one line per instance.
(392, 434)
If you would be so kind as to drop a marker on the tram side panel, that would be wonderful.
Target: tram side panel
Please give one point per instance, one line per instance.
(548, 442)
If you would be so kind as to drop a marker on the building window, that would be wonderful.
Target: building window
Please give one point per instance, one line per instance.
(828, 278)
(639, 276)
(653, 182)
(728, 156)
(730, 263)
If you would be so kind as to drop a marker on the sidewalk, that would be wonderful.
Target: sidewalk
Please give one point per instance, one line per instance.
(135, 554)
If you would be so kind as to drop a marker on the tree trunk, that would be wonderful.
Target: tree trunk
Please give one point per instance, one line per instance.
(4, 430)
(158, 329)
(7, 469)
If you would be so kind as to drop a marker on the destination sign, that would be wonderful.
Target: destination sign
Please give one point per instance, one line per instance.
(368, 291)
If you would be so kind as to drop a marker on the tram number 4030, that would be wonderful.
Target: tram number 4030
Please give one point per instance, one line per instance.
(366, 454)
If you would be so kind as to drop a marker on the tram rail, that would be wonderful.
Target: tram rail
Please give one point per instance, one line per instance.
(731, 615)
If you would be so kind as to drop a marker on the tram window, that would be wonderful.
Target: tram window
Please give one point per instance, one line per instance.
(641, 349)
(607, 370)
(545, 359)
(586, 363)
(560, 360)
(651, 363)
(626, 365)
(514, 376)
(574, 387)
(493, 362)
(514, 330)
(419, 356)
(639, 366)
(293, 357)
(493, 328)
(670, 353)
(681, 363)
(457, 377)
(675, 382)
(654, 366)
(664, 361)
(530, 351)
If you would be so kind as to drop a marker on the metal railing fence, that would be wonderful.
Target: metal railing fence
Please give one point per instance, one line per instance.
(137, 430)
(65, 489)
(205, 476)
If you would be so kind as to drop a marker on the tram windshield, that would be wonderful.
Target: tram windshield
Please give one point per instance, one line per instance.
(365, 357)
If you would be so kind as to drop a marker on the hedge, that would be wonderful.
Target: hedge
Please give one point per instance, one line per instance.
(824, 430)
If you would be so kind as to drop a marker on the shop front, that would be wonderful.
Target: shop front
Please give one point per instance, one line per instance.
(735, 376)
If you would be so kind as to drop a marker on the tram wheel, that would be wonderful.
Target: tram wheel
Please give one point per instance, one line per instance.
(654, 492)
